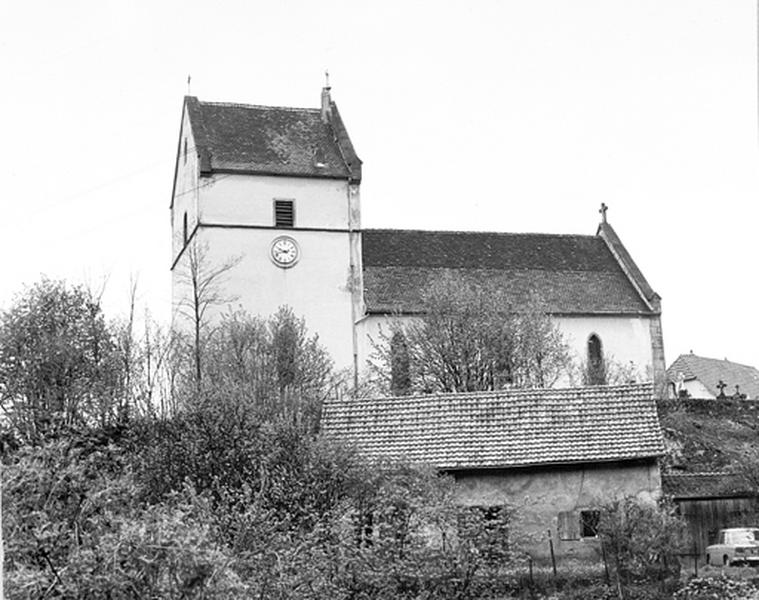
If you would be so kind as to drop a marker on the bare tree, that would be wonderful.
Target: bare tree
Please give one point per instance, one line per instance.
(205, 284)
(470, 337)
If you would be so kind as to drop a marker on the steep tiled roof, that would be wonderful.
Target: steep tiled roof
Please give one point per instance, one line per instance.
(607, 233)
(503, 429)
(709, 371)
(573, 274)
(705, 485)
(270, 140)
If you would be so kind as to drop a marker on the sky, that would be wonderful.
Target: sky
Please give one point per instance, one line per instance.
(517, 116)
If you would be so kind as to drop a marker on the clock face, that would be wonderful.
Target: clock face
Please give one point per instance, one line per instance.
(284, 251)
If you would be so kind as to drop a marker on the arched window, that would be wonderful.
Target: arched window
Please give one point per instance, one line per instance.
(400, 371)
(596, 374)
(184, 228)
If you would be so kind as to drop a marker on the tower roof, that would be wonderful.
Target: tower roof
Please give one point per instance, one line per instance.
(271, 140)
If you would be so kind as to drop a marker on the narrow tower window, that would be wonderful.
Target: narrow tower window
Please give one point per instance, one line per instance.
(284, 213)
(400, 372)
(185, 149)
(596, 374)
(184, 228)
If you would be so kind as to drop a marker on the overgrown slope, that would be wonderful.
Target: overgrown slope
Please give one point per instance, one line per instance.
(709, 435)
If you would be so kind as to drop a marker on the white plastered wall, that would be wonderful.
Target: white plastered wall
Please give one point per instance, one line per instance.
(237, 219)
(696, 389)
(249, 200)
(624, 339)
(186, 190)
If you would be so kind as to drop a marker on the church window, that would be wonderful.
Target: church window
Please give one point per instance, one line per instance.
(184, 229)
(284, 213)
(400, 372)
(596, 372)
(185, 149)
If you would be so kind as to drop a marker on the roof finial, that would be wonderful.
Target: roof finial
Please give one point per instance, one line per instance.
(326, 100)
(189, 78)
(603, 210)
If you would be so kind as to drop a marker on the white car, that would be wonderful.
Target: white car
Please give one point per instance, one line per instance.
(739, 545)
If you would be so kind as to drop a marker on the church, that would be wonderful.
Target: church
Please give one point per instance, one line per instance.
(279, 190)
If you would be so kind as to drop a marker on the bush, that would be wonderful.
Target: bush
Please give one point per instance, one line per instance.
(74, 527)
(60, 364)
(642, 540)
(721, 587)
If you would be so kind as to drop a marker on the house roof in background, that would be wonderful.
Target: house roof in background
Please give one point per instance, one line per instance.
(502, 429)
(705, 485)
(271, 140)
(572, 274)
(709, 371)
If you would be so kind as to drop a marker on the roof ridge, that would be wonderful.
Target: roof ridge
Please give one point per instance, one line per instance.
(257, 106)
(512, 392)
(458, 231)
(702, 474)
(721, 360)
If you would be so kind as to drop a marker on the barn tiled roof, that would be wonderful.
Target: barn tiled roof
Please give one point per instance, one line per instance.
(502, 429)
(705, 485)
(573, 274)
(271, 140)
(709, 371)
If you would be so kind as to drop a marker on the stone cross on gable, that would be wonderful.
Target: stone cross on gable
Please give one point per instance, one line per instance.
(603, 210)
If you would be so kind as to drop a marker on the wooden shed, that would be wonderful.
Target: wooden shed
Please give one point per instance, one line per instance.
(710, 502)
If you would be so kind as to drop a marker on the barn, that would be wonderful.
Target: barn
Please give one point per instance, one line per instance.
(555, 456)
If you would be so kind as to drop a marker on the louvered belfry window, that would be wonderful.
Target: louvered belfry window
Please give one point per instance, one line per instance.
(284, 213)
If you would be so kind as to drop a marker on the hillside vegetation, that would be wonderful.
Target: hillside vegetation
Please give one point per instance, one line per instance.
(709, 435)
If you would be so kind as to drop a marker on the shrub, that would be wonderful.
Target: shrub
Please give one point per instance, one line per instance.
(721, 587)
(60, 364)
(74, 527)
(642, 539)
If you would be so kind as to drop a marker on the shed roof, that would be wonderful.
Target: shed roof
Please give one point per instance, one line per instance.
(502, 429)
(709, 371)
(705, 485)
(271, 140)
(572, 274)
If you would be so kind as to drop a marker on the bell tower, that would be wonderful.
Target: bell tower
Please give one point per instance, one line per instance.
(278, 189)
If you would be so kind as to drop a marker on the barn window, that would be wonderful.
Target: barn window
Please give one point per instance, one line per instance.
(400, 373)
(363, 528)
(589, 523)
(184, 228)
(284, 213)
(596, 374)
(488, 528)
